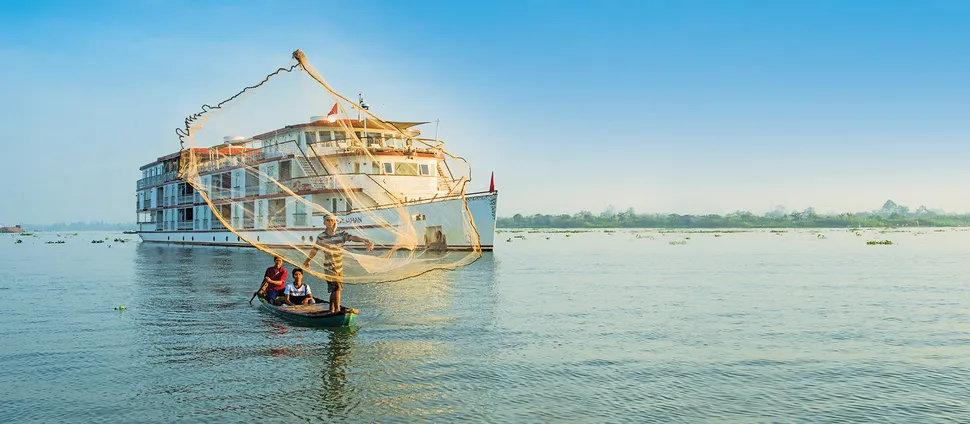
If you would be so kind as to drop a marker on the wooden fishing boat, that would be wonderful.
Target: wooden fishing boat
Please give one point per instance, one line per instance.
(316, 315)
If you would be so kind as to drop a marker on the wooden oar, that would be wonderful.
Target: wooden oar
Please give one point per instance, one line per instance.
(256, 292)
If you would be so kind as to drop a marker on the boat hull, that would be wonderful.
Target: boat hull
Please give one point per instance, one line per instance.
(481, 205)
(310, 315)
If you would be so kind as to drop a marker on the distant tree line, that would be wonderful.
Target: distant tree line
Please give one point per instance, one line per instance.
(82, 226)
(890, 215)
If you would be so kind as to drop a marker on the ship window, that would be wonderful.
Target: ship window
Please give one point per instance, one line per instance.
(310, 136)
(375, 168)
(405, 168)
(286, 170)
(388, 168)
(425, 169)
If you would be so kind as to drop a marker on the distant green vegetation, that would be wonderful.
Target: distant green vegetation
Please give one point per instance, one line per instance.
(890, 215)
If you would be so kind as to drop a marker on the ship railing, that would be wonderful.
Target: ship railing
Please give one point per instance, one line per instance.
(277, 221)
(271, 188)
(150, 226)
(184, 225)
(220, 193)
(186, 199)
(251, 191)
(374, 144)
(157, 179)
(247, 157)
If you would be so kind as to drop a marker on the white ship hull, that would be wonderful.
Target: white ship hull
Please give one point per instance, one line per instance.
(448, 213)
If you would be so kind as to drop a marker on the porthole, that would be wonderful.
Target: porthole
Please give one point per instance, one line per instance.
(257, 238)
(193, 238)
(183, 238)
(213, 239)
(169, 238)
(227, 238)
(237, 238)
(302, 238)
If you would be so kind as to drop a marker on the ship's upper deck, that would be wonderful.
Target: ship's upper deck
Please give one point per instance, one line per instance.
(391, 145)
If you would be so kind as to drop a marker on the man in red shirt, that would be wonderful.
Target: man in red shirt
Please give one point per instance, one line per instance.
(274, 281)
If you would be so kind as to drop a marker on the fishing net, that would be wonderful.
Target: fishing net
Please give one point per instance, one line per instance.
(383, 184)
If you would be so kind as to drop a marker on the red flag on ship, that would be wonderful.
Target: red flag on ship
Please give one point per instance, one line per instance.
(491, 185)
(332, 116)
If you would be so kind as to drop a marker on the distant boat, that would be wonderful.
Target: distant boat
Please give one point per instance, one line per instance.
(14, 229)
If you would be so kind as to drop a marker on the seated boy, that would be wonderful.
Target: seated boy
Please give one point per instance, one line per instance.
(297, 292)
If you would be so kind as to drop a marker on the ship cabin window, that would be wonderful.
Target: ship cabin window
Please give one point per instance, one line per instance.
(375, 168)
(424, 169)
(310, 137)
(374, 139)
(286, 170)
(405, 168)
(333, 204)
(349, 206)
(388, 168)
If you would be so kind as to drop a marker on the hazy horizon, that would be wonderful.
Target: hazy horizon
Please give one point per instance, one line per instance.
(659, 106)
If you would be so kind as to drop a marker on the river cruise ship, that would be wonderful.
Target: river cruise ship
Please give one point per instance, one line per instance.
(391, 174)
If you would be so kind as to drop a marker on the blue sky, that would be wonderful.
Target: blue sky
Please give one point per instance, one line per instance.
(680, 106)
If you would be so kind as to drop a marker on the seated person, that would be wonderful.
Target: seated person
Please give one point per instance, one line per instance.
(297, 292)
(274, 281)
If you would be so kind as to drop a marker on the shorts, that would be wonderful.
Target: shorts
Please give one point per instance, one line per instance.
(332, 287)
(271, 295)
(297, 300)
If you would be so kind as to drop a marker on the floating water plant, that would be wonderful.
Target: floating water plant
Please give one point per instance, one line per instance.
(677, 243)
(874, 242)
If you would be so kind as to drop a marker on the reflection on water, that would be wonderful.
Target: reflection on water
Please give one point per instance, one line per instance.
(594, 327)
(199, 341)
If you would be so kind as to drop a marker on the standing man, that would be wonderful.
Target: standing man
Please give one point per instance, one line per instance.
(332, 243)
(274, 281)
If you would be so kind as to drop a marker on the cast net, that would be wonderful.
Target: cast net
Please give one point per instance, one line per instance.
(276, 188)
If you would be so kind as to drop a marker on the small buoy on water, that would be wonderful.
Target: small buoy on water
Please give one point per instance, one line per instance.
(120, 308)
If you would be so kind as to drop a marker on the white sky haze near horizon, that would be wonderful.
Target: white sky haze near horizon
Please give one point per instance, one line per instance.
(679, 107)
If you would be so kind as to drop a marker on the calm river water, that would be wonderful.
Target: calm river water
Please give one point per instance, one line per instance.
(553, 327)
